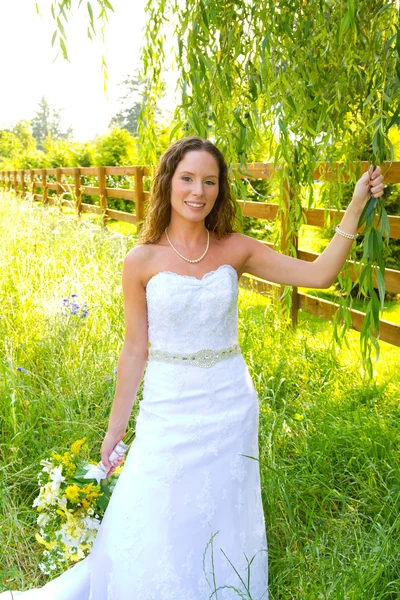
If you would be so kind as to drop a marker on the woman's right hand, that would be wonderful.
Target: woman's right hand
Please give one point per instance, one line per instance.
(110, 441)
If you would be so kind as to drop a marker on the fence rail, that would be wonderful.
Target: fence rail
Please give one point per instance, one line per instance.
(32, 180)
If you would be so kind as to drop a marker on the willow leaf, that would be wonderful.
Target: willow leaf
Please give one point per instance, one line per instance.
(384, 225)
(375, 344)
(367, 210)
(381, 287)
(63, 48)
(90, 11)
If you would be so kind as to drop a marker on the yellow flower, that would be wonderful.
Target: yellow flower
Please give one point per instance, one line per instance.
(70, 466)
(72, 555)
(56, 458)
(118, 470)
(48, 545)
(72, 493)
(76, 446)
(298, 417)
(91, 491)
(63, 512)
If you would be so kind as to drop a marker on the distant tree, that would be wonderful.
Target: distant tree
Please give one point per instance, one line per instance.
(131, 101)
(47, 122)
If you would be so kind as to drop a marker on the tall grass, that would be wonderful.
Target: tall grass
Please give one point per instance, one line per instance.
(329, 439)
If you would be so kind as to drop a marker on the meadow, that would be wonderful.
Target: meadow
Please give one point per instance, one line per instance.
(329, 437)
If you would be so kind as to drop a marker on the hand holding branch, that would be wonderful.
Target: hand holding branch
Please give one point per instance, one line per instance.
(369, 185)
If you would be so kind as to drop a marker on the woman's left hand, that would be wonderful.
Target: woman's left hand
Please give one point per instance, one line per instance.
(369, 184)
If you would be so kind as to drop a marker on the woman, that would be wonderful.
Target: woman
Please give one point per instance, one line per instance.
(185, 521)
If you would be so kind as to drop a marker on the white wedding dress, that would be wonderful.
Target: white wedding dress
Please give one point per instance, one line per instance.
(190, 472)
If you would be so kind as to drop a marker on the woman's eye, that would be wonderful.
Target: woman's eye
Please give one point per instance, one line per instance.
(184, 177)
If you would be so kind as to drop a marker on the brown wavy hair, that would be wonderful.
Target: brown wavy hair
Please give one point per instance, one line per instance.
(222, 218)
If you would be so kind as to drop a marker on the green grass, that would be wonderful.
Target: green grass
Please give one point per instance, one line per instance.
(329, 439)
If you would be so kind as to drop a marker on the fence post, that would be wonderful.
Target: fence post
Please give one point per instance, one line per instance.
(33, 187)
(139, 198)
(103, 193)
(78, 195)
(287, 240)
(23, 190)
(59, 188)
(44, 184)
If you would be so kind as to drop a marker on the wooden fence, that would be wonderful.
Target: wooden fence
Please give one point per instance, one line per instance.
(69, 181)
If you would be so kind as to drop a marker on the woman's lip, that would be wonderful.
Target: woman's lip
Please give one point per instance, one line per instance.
(195, 207)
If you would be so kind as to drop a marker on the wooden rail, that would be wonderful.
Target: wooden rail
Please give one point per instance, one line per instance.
(30, 181)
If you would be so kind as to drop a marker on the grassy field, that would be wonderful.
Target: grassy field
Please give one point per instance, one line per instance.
(329, 439)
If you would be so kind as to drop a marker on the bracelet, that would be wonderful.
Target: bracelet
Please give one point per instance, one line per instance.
(349, 236)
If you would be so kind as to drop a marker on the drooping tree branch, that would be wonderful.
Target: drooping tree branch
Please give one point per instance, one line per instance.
(320, 79)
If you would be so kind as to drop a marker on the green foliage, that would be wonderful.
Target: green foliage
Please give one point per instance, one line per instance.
(18, 148)
(117, 147)
(320, 80)
(328, 440)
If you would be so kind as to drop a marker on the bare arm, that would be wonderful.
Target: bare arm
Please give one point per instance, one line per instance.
(264, 262)
(134, 353)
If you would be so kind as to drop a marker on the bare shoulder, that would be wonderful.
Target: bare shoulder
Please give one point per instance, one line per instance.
(135, 263)
(239, 247)
(238, 240)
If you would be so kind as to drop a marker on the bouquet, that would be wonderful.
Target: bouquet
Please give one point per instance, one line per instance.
(74, 494)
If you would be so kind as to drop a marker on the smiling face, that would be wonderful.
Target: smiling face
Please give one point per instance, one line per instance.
(195, 182)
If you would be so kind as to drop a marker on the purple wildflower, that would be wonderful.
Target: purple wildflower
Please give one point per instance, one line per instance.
(73, 308)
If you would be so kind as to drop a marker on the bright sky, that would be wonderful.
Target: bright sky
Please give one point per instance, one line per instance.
(28, 70)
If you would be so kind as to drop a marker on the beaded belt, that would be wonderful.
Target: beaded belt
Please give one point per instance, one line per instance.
(201, 358)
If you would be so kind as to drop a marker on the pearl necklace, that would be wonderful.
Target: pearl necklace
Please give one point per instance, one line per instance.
(195, 260)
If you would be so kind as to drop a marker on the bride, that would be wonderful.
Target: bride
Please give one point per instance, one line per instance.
(185, 520)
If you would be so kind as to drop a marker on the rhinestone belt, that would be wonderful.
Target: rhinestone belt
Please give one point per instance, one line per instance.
(201, 358)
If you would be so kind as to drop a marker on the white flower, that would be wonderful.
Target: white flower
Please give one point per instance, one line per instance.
(47, 465)
(90, 523)
(37, 501)
(71, 532)
(56, 477)
(44, 569)
(62, 502)
(42, 519)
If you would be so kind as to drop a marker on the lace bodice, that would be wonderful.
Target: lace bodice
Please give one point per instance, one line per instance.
(186, 314)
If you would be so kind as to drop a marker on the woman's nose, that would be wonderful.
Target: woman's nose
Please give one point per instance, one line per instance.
(198, 189)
